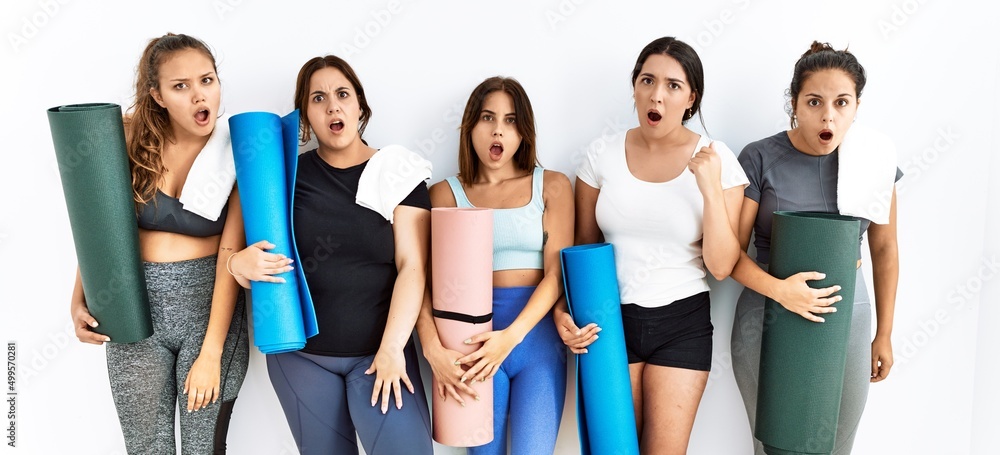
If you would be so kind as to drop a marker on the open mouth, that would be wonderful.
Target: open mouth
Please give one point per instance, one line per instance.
(496, 150)
(654, 116)
(201, 117)
(337, 126)
(825, 135)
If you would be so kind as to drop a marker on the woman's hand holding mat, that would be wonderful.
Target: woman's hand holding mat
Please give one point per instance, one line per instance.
(497, 345)
(448, 372)
(83, 322)
(254, 264)
(796, 296)
(575, 338)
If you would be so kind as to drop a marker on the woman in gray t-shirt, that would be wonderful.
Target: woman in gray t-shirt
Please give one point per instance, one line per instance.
(797, 170)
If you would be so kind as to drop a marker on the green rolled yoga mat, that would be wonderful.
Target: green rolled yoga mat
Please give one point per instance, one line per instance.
(802, 362)
(89, 142)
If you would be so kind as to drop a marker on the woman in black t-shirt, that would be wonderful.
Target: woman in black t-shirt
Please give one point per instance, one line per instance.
(366, 269)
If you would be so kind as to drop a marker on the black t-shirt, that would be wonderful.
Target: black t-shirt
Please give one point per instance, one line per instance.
(348, 255)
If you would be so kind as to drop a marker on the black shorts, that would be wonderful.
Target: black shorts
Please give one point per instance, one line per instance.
(676, 335)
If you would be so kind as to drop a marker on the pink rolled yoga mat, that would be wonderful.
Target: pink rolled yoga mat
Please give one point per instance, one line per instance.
(462, 296)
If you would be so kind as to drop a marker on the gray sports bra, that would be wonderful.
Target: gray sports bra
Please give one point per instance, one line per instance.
(165, 213)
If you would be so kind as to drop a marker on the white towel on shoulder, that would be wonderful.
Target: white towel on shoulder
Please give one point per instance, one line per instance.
(212, 175)
(390, 176)
(867, 174)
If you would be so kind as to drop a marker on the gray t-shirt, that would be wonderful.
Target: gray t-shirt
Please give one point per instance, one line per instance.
(783, 178)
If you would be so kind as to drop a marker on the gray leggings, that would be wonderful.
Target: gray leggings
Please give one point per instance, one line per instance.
(147, 377)
(747, 329)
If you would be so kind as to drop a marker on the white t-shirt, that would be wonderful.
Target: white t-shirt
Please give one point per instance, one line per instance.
(656, 228)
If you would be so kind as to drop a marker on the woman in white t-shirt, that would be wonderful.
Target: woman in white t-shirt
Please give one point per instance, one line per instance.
(668, 199)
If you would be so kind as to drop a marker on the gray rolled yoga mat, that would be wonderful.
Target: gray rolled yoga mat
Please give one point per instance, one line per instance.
(89, 142)
(802, 362)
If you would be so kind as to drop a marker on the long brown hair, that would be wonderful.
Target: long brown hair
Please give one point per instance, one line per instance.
(525, 157)
(147, 125)
(302, 92)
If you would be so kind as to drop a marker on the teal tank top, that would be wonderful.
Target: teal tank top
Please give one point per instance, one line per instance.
(517, 232)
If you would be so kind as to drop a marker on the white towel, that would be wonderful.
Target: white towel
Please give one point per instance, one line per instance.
(867, 174)
(390, 176)
(212, 175)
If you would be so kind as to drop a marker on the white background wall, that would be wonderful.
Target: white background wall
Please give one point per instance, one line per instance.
(933, 78)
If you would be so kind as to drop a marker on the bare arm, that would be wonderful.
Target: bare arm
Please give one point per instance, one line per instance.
(720, 249)
(587, 232)
(411, 234)
(83, 322)
(202, 383)
(885, 270)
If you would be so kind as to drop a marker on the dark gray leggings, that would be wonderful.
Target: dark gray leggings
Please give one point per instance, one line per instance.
(147, 377)
(747, 329)
(326, 399)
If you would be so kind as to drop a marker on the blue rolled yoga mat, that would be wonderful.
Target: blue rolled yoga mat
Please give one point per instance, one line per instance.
(802, 362)
(265, 148)
(605, 416)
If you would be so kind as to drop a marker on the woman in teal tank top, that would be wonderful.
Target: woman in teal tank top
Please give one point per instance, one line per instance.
(533, 220)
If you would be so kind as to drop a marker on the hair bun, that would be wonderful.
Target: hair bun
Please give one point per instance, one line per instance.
(818, 47)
